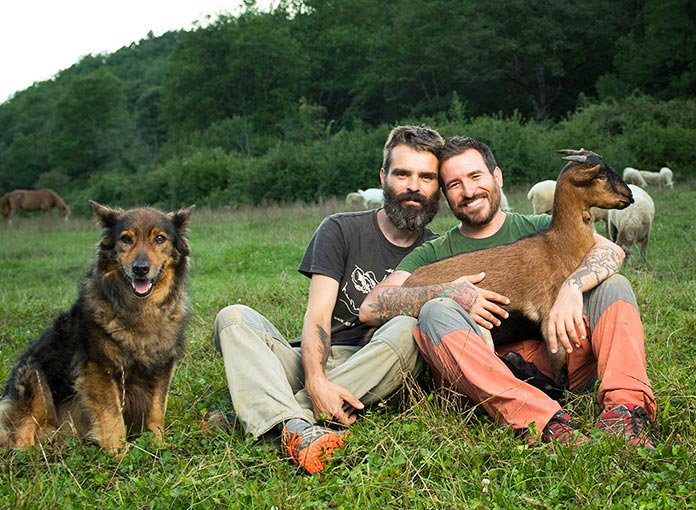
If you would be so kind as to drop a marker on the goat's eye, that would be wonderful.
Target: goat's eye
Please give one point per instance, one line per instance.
(126, 239)
(159, 239)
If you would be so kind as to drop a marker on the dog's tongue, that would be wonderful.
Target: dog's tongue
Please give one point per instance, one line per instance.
(141, 285)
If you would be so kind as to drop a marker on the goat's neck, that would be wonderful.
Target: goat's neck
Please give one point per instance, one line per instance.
(571, 228)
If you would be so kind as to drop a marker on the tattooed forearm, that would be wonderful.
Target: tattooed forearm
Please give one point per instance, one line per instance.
(409, 300)
(325, 346)
(600, 263)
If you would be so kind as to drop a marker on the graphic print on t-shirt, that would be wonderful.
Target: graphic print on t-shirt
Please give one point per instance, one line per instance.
(362, 283)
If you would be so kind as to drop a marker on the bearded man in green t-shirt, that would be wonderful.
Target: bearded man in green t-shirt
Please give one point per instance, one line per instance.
(594, 318)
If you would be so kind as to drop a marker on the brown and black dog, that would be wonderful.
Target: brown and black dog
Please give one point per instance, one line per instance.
(103, 369)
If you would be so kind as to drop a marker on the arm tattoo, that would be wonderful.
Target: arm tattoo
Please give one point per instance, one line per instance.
(325, 346)
(597, 266)
(409, 300)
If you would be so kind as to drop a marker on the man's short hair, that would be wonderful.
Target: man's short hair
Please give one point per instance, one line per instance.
(420, 138)
(455, 145)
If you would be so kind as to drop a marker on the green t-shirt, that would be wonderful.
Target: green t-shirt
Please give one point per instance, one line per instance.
(516, 225)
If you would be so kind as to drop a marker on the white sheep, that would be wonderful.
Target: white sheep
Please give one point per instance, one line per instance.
(504, 205)
(631, 225)
(374, 197)
(367, 199)
(633, 176)
(541, 195)
(355, 200)
(667, 177)
(658, 179)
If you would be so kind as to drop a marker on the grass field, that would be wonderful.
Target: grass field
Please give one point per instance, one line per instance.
(422, 452)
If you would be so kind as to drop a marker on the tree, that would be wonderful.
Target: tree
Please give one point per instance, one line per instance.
(657, 56)
(90, 124)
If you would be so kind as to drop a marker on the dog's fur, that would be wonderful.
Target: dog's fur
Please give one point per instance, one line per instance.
(103, 369)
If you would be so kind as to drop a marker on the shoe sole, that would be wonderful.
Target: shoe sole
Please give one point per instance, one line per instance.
(312, 459)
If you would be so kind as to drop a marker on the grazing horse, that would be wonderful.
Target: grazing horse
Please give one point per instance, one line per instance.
(31, 200)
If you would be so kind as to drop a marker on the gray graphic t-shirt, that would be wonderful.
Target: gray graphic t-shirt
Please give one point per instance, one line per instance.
(351, 249)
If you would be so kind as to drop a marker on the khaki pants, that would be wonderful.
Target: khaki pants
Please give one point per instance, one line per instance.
(265, 376)
(614, 353)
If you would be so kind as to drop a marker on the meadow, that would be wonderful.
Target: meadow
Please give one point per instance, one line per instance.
(421, 451)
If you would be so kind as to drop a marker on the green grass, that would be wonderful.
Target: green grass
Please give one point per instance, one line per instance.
(422, 452)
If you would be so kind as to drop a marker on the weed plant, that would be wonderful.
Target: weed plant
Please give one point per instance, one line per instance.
(423, 450)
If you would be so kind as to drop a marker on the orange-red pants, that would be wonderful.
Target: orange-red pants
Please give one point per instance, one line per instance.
(613, 353)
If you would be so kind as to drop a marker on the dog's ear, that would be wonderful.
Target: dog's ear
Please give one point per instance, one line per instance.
(107, 216)
(180, 221)
(180, 218)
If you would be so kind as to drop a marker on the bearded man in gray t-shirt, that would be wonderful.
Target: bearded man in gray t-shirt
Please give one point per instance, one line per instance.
(338, 368)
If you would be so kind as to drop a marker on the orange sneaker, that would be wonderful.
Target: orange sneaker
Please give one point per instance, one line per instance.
(311, 447)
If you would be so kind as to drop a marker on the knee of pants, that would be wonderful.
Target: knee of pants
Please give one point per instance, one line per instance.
(232, 314)
(441, 316)
(398, 334)
(613, 289)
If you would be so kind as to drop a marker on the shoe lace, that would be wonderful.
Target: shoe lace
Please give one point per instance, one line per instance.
(560, 428)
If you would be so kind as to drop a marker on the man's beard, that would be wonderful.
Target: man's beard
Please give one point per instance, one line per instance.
(479, 219)
(409, 217)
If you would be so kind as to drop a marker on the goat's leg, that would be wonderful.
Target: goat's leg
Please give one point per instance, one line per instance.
(559, 360)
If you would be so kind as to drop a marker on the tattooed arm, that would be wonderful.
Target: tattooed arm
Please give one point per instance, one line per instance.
(566, 325)
(390, 298)
(327, 398)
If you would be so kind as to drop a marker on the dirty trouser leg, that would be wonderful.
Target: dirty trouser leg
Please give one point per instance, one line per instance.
(378, 370)
(263, 371)
(618, 344)
(451, 344)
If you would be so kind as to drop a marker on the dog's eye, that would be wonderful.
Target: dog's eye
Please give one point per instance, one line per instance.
(159, 239)
(126, 239)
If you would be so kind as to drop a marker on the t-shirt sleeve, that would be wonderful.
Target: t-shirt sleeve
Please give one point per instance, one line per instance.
(325, 253)
(420, 256)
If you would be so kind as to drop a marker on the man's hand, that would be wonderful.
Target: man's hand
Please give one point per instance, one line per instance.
(329, 402)
(565, 319)
(481, 304)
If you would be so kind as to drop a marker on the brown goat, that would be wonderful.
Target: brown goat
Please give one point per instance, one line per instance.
(531, 270)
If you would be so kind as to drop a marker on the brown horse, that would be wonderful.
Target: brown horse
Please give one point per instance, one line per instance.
(31, 200)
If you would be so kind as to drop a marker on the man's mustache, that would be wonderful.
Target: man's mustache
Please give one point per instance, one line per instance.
(411, 196)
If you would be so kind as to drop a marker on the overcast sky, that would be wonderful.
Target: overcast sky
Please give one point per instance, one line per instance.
(39, 38)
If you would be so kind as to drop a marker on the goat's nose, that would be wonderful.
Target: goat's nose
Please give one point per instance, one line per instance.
(141, 268)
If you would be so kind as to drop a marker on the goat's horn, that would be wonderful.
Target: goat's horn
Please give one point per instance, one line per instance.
(574, 157)
(571, 151)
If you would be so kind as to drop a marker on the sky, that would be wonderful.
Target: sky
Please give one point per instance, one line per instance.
(39, 38)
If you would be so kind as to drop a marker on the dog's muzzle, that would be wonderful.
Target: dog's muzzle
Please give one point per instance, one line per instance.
(138, 278)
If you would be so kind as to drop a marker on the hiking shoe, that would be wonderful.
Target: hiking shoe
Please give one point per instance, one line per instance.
(311, 447)
(561, 430)
(629, 422)
(216, 419)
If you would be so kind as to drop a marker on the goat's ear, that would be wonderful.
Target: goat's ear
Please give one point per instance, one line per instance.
(585, 174)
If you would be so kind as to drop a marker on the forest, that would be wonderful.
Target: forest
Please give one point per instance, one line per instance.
(293, 105)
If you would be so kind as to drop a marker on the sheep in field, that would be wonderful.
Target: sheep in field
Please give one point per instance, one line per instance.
(631, 225)
(504, 205)
(661, 179)
(366, 199)
(633, 176)
(531, 270)
(541, 196)
(355, 200)
(667, 177)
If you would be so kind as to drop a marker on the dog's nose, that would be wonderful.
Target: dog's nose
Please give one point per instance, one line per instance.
(141, 268)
